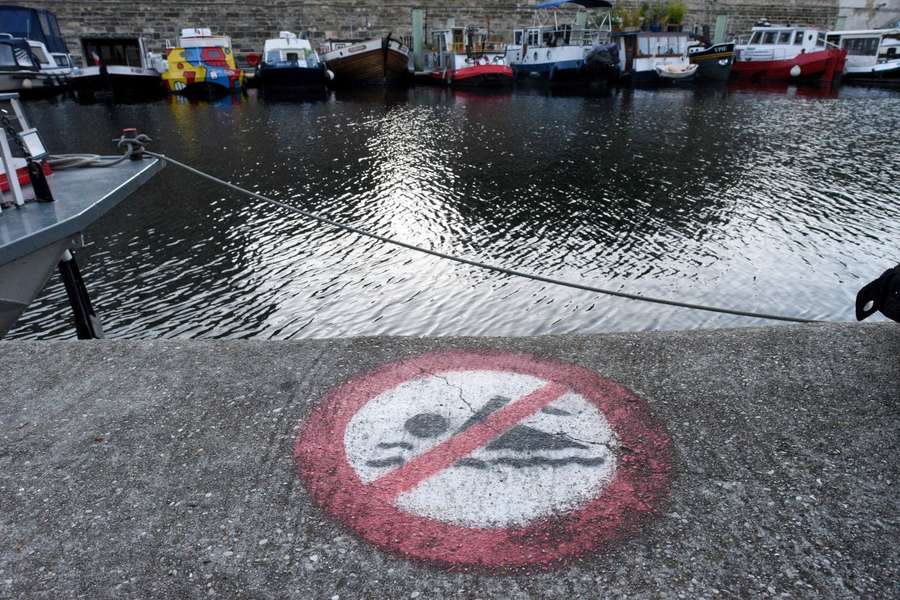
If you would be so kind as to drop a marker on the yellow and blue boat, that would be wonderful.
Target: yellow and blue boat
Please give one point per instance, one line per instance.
(202, 65)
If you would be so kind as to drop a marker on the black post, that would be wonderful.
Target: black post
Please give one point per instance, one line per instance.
(87, 323)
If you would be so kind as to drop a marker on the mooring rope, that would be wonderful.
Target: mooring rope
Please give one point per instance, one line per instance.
(471, 262)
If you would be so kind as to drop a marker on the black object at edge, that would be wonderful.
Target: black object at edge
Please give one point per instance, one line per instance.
(87, 323)
(883, 294)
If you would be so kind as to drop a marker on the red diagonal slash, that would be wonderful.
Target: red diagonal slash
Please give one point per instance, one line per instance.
(408, 476)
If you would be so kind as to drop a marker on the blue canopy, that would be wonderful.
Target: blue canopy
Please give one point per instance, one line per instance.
(584, 3)
(32, 24)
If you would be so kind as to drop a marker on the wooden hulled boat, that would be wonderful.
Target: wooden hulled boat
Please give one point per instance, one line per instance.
(463, 57)
(713, 62)
(788, 53)
(373, 61)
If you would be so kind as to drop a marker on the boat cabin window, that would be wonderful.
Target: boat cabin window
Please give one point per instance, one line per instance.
(62, 60)
(12, 56)
(755, 37)
(292, 57)
(39, 54)
(459, 40)
(662, 45)
(861, 46)
(769, 37)
(45, 24)
(784, 37)
(518, 36)
(820, 41)
(534, 37)
(214, 57)
(798, 38)
(110, 52)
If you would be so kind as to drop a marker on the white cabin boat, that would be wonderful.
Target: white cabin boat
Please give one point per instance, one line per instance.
(872, 54)
(649, 57)
(119, 66)
(786, 52)
(290, 63)
(563, 52)
(20, 72)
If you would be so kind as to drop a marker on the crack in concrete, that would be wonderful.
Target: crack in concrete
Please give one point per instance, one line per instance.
(607, 444)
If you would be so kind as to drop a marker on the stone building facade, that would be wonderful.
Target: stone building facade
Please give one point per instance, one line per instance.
(250, 22)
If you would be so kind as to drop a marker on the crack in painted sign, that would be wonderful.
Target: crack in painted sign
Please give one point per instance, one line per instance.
(526, 461)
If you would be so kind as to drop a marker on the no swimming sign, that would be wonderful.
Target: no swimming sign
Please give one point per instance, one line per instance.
(484, 459)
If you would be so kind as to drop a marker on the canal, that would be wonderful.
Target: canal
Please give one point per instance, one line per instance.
(781, 200)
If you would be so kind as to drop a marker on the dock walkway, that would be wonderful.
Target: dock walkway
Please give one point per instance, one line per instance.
(165, 469)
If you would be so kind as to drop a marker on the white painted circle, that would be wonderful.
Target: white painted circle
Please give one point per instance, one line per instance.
(554, 461)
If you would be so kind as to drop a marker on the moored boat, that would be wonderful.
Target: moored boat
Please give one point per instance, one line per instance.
(41, 29)
(654, 57)
(372, 61)
(119, 67)
(873, 55)
(714, 62)
(20, 71)
(290, 64)
(202, 65)
(464, 57)
(788, 53)
(564, 53)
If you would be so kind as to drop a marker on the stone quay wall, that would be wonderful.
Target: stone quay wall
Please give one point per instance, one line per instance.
(250, 22)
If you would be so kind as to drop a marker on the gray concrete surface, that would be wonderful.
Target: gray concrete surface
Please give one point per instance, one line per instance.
(164, 470)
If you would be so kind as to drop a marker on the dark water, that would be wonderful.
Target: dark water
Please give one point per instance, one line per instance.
(781, 201)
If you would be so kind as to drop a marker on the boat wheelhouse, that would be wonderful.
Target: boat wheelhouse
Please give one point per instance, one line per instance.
(564, 52)
(652, 57)
(41, 26)
(788, 53)
(202, 64)
(118, 66)
(873, 55)
(20, 71)
(290, 63)
(372, 61)
(466, 57)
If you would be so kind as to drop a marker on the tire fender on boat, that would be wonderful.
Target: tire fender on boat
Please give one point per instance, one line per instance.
(796, 70)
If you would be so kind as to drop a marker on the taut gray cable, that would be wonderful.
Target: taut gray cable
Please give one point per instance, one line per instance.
(475, 263)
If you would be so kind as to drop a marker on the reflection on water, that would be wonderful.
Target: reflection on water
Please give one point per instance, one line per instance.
(773, 200)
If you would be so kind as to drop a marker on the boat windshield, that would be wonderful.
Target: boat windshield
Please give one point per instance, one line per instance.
(15, 56)
(301, 56)
(40, 55)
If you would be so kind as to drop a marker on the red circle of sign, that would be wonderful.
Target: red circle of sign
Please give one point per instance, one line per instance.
(640, 482)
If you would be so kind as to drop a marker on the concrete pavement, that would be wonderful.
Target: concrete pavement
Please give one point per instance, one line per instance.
(164, 469)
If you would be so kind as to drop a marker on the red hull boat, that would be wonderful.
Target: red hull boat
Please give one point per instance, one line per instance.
(788, 53)
(464, 57)
(490, 75)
